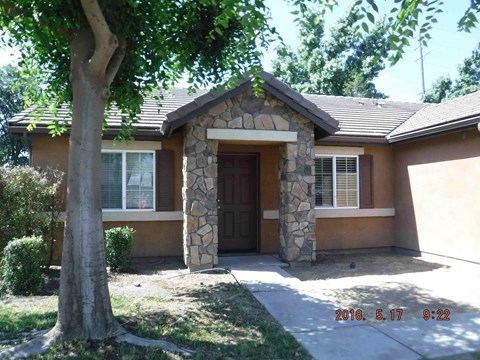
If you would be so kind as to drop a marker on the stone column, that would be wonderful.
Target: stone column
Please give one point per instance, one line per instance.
(297, 195)
(200, 219)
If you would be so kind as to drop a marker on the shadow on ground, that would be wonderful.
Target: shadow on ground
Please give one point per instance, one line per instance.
(411, 299)
(352, 265)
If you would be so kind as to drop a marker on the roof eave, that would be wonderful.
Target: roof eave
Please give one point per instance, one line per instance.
(151, 133)
(352, 140)
(441, 129)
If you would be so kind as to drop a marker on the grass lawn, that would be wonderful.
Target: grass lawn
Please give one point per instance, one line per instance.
(210, 314)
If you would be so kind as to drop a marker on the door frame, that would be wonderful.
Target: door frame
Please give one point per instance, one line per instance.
(256, 157)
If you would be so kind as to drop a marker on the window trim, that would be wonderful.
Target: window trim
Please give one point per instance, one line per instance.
(334, 181)
(124, 180)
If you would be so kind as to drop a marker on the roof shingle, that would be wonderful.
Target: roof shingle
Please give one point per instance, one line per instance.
(437, 116)
(365, 117)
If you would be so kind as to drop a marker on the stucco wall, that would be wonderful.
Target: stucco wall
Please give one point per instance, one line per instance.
(51, 152)
(268, 189)
(354, 233)
(382, 175)
(364, 232)
(152, 238)
(437, 195)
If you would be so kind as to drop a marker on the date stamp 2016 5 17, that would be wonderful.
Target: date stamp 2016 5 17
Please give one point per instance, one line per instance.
(389, 315)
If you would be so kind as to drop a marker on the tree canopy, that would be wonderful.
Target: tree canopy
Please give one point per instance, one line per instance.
(12, 149)
(467, 81)
(157, 42)
(344, 63)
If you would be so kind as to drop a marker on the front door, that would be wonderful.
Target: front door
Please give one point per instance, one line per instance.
(237, 202)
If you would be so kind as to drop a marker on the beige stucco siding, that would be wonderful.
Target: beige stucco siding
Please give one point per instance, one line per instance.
(382, 175)
(354, 233)
(163, 238)
(364, 232)
(437, 195)
(152, 238)
(51, 152)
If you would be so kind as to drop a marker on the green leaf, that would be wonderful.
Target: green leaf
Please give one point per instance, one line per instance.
(371, 18)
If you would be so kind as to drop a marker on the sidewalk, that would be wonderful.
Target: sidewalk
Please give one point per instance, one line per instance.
(310, 318)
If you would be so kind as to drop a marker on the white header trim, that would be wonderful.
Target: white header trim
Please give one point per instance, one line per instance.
(339, 150)
(338, 213)
(252, 135)
(271, 214)
(110, 216)
(351, 213)
(131, 145)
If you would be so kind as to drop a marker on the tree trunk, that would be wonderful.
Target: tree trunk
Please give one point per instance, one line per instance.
(84, 309)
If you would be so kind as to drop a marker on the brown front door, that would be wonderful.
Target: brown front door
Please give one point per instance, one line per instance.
(237, 202)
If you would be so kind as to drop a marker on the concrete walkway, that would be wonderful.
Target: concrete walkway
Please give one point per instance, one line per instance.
(310, 318)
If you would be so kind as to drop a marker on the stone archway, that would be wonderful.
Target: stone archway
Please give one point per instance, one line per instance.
(296, 176)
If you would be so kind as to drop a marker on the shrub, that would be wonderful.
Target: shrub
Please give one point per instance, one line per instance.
(119, 243)
(21, 266)
(29, 203)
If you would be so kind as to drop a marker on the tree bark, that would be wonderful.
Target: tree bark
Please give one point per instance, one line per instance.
(84, 309)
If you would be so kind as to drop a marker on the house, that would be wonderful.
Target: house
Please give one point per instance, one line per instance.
(287, 173)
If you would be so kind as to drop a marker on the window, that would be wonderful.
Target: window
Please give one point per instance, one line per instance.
(336, 181)
(127, 180)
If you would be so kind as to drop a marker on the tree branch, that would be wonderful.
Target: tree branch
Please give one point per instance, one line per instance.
(105, 41)
(10, 8)
(116, 61)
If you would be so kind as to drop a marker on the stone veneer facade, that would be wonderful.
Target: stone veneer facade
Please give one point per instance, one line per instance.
(296, 176)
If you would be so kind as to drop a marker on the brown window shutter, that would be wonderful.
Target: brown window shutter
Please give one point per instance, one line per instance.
(164, 180)
(366, 181)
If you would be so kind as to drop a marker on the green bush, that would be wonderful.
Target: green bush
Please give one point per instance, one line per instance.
(29, 203)
(21, 266)
(119, 243)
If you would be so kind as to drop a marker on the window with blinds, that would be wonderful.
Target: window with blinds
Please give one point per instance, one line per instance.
(336, 181)
(346, 181)
(324, 181)
(127, 180)
(111, 180)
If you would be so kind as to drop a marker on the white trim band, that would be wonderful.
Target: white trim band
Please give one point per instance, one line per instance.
(110, 216)
(339, 150)
(271, 214)
(252, 135)
(338, 213)
(131, 145)
(353, 213)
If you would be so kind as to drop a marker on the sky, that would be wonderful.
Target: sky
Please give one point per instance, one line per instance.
(445, 51)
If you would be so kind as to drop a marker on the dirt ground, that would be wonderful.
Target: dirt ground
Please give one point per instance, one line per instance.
(353, 281)
(392, 281)
(150, 280)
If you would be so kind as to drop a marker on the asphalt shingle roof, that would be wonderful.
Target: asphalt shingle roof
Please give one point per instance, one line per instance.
(365, 117)
(357, 117)
(437, 116)
(151, 117)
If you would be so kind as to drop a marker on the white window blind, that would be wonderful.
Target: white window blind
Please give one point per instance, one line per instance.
(336, 181)
(324, 181)
(127, 180)
(347, 182)
(111, 180)
(139, 181)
